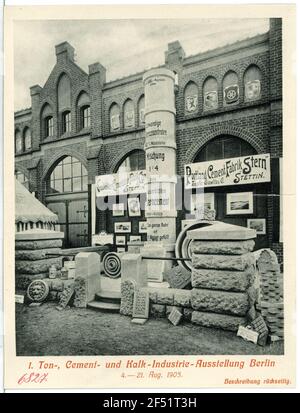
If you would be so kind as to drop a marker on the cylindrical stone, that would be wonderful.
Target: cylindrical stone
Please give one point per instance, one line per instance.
(223, 262)
(227, 280)
(220, 301)
(222, 321)
(222, 247)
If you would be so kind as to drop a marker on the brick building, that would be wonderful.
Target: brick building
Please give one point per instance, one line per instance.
(228, 104)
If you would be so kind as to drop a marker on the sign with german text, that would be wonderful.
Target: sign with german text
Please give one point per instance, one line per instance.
(242, 170)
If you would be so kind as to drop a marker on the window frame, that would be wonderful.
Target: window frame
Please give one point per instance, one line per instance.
(49, 126)
(66, 122)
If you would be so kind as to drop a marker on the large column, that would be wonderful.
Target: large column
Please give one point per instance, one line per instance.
(160, 149)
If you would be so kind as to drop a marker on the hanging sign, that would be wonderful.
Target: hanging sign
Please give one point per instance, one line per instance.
(121, 184)
(232, 171)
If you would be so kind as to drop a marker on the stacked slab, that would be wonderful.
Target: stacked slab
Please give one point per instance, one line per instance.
(271, 291)
(32, 259)
(223, 270)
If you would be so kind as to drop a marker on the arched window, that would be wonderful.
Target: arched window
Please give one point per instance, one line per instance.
(27, 139)
(223, 147)
(191, 98)
(252, 83)
(141, 110)
(135, 161)
(22, 178)
(210, 94)
(69, 175)
(47, 121)
(84, 111)
(66, 121)
(230, 88)
(114, 116)
(128, 114)
(18, 142)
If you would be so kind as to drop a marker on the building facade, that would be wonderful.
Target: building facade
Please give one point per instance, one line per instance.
(228, 105)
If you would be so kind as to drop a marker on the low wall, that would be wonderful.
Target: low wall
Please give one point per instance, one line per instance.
(31, 260)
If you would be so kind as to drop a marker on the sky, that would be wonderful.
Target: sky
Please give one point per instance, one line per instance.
(124, 47)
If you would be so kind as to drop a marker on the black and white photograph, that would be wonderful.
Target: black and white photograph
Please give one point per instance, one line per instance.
(239, 203)
(120, 239)
(134, 208)
(118, 210)
(259, 224)
(188, 105)
(123, 227)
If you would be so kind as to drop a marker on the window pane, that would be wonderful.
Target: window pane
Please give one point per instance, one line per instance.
(232, 148)
(76, 169)
(77, 184)
(67, 185)
(67, 171)
(58, 185)
(214, 151)
(85, 183)
(66, 160)
(57, 173)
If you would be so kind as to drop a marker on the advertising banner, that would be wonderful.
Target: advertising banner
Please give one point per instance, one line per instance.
(242, 170)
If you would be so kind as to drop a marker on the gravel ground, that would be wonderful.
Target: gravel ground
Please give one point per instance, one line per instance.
(45, 331)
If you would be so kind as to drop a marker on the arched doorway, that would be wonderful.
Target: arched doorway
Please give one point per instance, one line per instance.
(67, 196)
(224, 199)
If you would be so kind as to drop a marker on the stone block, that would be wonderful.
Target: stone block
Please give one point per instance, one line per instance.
(127, 296)
(178, 277)
(175, 316)
(165, 296)
(37, 266)
(157, 310)
(152, 294)
(187, 314)
(133, 267)
(140, 304)
(222, 247)
(156, 268)
(223, 262)
(220, 301)
(222, 321)
(66, 295)
(23, 280)
(38, 244)
(57, 284)
(33, 255)
(169, 308)
(80, 292)
(182, 298)
(88, 269)
(139, 321)
(227, 280)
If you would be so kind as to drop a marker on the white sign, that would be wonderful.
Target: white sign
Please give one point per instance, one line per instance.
(232, 171)
(121, 184)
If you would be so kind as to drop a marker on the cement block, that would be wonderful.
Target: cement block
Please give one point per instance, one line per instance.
(157, 310)
(227, 280)
(220, 301)
(88, 269)
(38, 244)
(222, 247)
(128, 288)
(35, 254)
(182, 298)
(133, 267)
(222, 321)
(37, 266)
(223, 262)
(165, 296)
